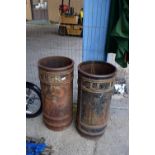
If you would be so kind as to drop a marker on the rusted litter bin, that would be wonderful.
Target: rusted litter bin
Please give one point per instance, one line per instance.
(95, 88)
(56, 79)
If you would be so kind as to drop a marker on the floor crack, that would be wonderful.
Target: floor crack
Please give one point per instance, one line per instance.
(95, 148)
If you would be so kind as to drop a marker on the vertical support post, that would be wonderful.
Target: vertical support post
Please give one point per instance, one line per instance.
(95, 22)
(62, 4)
(69, 3)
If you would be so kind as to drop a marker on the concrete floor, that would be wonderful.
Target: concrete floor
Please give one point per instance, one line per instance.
(70, 142)
(42, 40)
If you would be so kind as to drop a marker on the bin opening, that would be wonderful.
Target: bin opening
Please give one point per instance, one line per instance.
(97, 68)
(55, 62)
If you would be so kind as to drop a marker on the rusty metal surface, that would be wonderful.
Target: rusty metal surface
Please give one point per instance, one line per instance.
(56, 78)
(94, 97)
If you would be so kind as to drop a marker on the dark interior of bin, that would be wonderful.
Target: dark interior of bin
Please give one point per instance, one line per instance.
(97, 68)
(56, 62)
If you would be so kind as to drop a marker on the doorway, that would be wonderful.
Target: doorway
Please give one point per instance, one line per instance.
(39, 9)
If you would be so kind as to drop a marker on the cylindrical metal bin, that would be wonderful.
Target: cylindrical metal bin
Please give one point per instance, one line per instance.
(56, 79)
(95, 88)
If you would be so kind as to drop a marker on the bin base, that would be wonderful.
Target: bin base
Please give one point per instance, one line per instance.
(90, 135)
(54, 128)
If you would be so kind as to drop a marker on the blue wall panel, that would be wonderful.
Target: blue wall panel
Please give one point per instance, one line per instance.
(96, 14)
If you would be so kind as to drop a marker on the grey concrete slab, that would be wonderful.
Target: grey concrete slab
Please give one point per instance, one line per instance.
(70, 142)
(115, 140)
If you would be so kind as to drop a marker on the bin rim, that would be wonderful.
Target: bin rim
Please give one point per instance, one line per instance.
(53, 68)
(97, 75)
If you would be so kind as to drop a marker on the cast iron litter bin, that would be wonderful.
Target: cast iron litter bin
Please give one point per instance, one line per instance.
(95, 88)
(56, 80)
